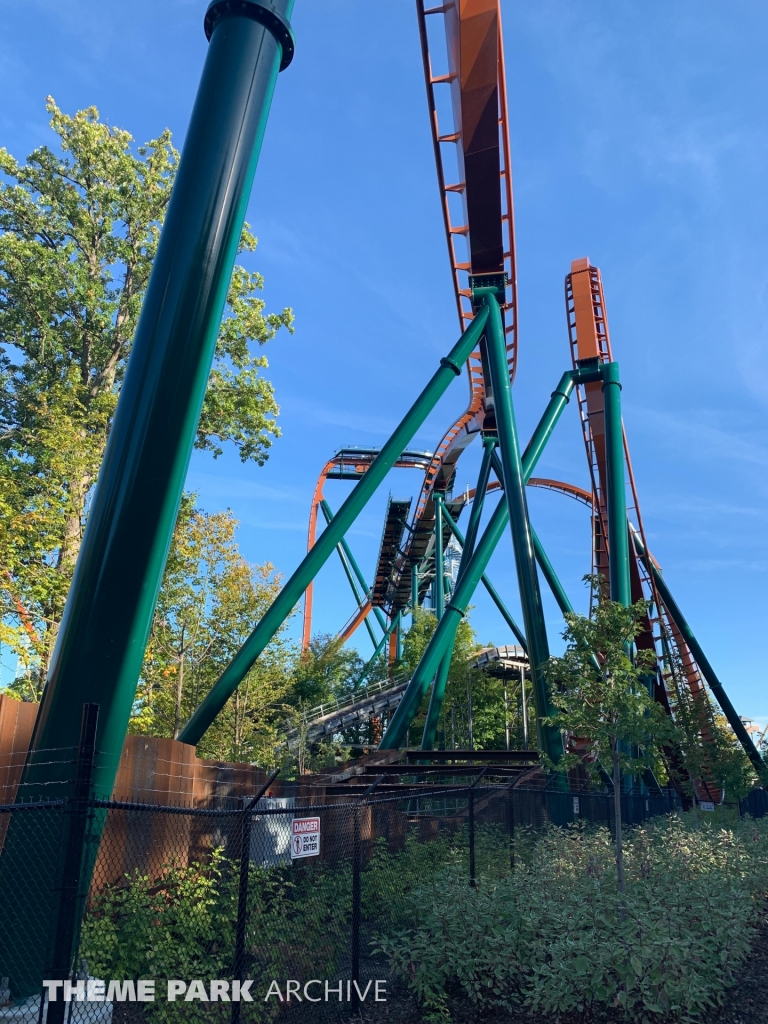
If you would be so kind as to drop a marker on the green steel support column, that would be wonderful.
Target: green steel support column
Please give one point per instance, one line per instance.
(450, 368)
(468, 546)
(103, 634)
(394, 624)
(359, 598)
(618, 539)
(514, 494)
(703, 662)
(443, 635)
(438, 695)
(492, 591)
(550, 576)
(441, 679)
(355, 567)
(555, 585)
(414, 587)
(439, 588)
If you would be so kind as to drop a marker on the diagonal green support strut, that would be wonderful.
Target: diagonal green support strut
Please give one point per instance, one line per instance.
(350, 566)
(492, 591)
(450, 367)
(476, 567)
(101, 641)
(702, 661)
(441, 679)
(515, 497)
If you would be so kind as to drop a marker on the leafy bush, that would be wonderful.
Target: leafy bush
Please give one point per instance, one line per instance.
(389, 878)
(181, 924)
(557, 938)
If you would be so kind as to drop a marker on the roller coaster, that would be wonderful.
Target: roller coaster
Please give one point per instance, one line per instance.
(101, 641)
(481, 224)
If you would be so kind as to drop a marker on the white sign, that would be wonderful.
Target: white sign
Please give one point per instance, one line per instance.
(305, 837)
(706, 805)
(575, 805)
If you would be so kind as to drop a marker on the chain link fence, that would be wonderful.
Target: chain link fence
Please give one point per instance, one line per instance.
(251, 913)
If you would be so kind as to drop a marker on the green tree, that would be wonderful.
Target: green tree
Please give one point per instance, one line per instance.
(610, 713)
(79, 227)
(463, 680)
(709, 751)
(326, 670)
(209, 601)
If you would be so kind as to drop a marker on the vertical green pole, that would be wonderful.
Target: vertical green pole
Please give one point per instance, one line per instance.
(441, 679)
(492, 591)
(395, 624)
(439, 589)
(618, 538)
(414, 588)
(102, 637)
(514, 493)
(468, 545)
(443, 635)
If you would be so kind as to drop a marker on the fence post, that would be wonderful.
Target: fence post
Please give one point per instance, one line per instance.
(511, 817)
(71, 900)
(246, 814)
(357, 871)
(471, 821)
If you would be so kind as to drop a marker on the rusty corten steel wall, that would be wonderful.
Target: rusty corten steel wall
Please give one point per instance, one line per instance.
(152, 770)
(16, 722)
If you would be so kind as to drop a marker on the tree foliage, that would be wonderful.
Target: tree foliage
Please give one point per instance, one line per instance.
(209, 602)
(608, 716)
(79, 228)
(711, 756)
(464, 683)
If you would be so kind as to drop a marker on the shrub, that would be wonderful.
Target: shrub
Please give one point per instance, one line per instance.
(553, 936)
(181, 924)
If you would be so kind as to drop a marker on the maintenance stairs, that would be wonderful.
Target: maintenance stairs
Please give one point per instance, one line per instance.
(429, 771)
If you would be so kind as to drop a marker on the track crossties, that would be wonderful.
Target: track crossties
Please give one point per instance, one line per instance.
(395, 521)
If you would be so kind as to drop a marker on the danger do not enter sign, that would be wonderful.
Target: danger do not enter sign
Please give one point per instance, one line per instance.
(305, 837)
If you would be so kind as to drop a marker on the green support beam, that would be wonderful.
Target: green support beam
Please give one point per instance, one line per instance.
(417, 688)
(515, 497)
(441, 679)
(550, 576)
(439, 586)
(394, 625)
(555, 585)
(347, 563)
(618, 539)
(380, 618)
(702, 661)
(102, 638)
(492, 591)
(280, 609)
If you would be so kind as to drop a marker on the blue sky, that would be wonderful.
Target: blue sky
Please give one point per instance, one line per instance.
(639, 139)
